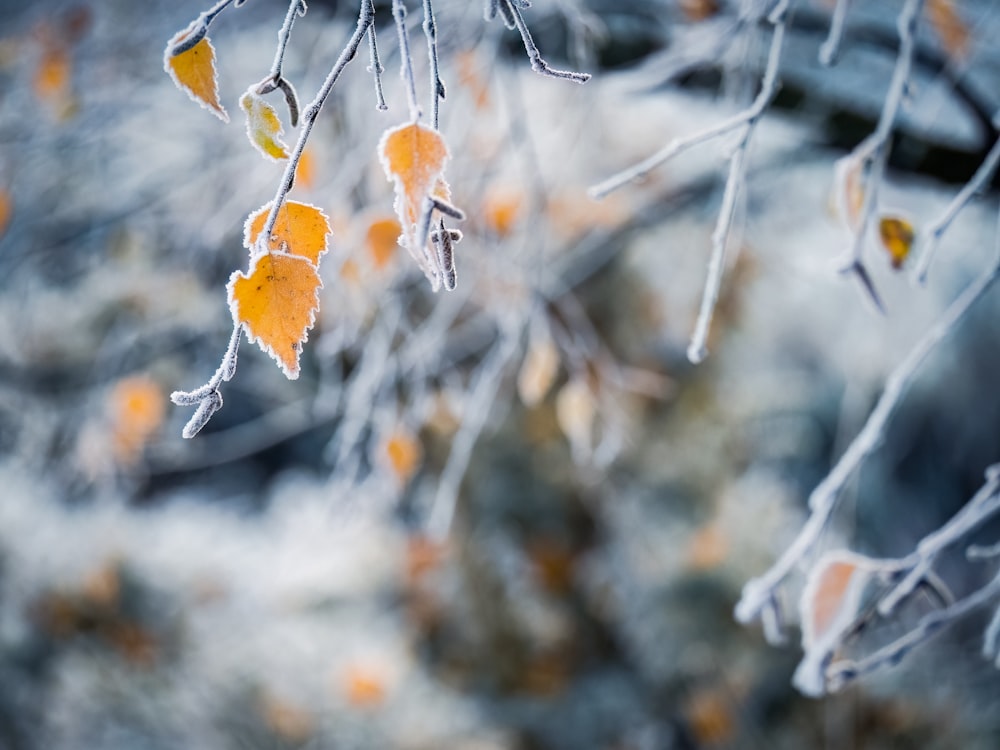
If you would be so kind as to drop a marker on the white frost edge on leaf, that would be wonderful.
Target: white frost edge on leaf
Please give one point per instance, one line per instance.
(253, 338)
(254, 106)
(810, 675)
(248, 226)
(409, 228)
(174, 41)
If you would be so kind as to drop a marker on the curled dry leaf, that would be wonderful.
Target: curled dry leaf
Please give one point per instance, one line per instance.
(897, 235)
(413, 157)
(276, 303)
(193, 70)
(263, 127)
(300, 228)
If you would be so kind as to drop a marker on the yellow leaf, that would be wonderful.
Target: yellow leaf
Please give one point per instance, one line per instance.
(276, 304)
(413, 157)
(501, 210)
(303, 230)
(194, 73)
(381, 240)
(263, 127)
(953, 32)
(897, 236)
(136, 407)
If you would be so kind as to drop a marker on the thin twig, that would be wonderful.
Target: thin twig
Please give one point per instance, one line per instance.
(678, 146)
(199, 27)
(405, 60)
(376, 69)
(760, 593)
(437, 87)
(873, 151)
(365, 20)
(940, 226)
(831, 46)
(538, 64)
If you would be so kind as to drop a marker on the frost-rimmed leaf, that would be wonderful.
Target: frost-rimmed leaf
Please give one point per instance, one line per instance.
(302, 228)
(413, 157)
(194, 72)
(276, 303)
(263, 127)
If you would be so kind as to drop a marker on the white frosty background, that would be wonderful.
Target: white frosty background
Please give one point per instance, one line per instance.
(270, 584)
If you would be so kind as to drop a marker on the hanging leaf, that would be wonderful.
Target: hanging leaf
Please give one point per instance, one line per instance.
(831, 598)
(263, 127)
(300, 228)
(276, 304)
(413, 157)
(897, 236)
(193, 70)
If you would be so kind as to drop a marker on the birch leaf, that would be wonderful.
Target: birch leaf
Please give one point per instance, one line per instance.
(276, 303)
(413, 157)
(381, 240)
(897, 236)
(194, 72)
(263, 127)
(301, 228)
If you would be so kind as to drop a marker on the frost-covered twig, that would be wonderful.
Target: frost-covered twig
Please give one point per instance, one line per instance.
(208, 398)
(376, 69)
(437, 87)
(511, 11)
(935, 231)
(760, 594)
(831, 46)
(199, 27)
(405, 60)
(840, 673)
(873, 151)
(748, 116)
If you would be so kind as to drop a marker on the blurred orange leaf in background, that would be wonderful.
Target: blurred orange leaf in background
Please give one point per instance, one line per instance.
(136, 407)
(382, 239)
(276, 304)
(194, 73)
(948, 25)
(6, 210)
(403, 451)
(302, 228)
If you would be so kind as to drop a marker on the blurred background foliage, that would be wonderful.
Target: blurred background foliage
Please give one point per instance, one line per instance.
(280, 581)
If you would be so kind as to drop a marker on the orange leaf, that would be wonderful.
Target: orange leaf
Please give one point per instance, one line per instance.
(832, 596)
(501, 210)
(194, 72)
(305, 170)
(276, 304)
(413, 157)
(52, 76)
(382, 239)
(302, 228)
(953, 32)
(404, 453)
(897, 236)
(6, 209)
(136, 408)
(364, 687)
(263, 127)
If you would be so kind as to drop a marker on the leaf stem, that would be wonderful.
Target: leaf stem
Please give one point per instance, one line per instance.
(405, 59)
